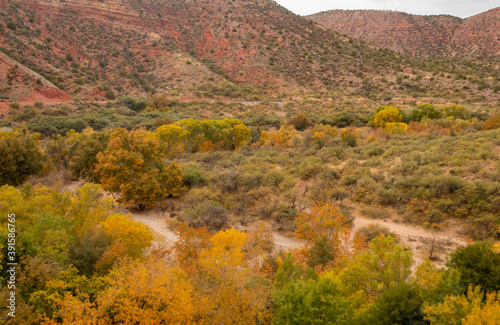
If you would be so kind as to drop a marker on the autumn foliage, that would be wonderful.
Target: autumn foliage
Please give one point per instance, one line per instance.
(492, 123)
(325, 230)
(133, 168)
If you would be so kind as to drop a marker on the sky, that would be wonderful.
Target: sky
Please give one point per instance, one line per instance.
(459, 8)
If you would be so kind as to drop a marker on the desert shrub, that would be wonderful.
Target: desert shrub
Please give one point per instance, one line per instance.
(193, 176)
(53, 125)
(365, 188)
(11, 25)
(27, 113)
(374, 151)
(388, 196)
(329, 174)
(300, 122)
(347, 180)
(38, 105)
(5, 123)
(14, 105)
(342, 119)
(251, 177)
(349, 136)
(125, 111)
(226, 181)
(310, 168)
(135, 104)
(206, 212)
(274, 177)
(375, 212)
(441, 185)
(110, 94)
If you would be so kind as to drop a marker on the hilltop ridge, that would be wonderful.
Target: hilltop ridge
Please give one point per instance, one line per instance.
(422, 36)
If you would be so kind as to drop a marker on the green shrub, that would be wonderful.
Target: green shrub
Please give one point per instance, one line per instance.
(193, 177)
(11, 25)
(374, 230)
(110, 94)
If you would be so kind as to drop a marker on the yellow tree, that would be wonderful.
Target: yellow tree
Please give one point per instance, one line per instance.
(326, 232)
(488, 314)
(227, 291)
(132, 234)
(259, 244)
(283, 136)
(137, 292)
(133, 169)
(454, 308)
(149, 292)
(173, 136)
(241, 135)
(387, 114)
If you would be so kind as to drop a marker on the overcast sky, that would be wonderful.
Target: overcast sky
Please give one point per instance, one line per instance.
(459, 8)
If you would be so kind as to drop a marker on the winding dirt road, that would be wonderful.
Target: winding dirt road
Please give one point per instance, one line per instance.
(414, 238)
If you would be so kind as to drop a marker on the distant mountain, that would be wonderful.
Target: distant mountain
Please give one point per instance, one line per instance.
(446, 36)
(98, 49)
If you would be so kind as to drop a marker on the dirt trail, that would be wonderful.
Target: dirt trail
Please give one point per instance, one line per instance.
(412, 237)
(286, 243)
(418, 239)
(156, 222)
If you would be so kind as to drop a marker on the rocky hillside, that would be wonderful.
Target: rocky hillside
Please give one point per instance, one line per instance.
(446, 36)
(99, 49)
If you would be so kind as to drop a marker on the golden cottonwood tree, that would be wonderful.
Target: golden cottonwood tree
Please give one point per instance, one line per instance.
(132, 235)
(387, 114)
(137, 292)
(226, 291)
(132, 167)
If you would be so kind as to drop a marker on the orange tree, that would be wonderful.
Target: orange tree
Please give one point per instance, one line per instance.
(132, 168)
(326, 232)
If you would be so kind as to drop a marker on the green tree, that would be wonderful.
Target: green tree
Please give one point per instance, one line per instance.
(83, 162)
(457, 111)
(20, 156)
(425, 110)
(311, 302)
(384, 265)
(400, 305)
(478, 265)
